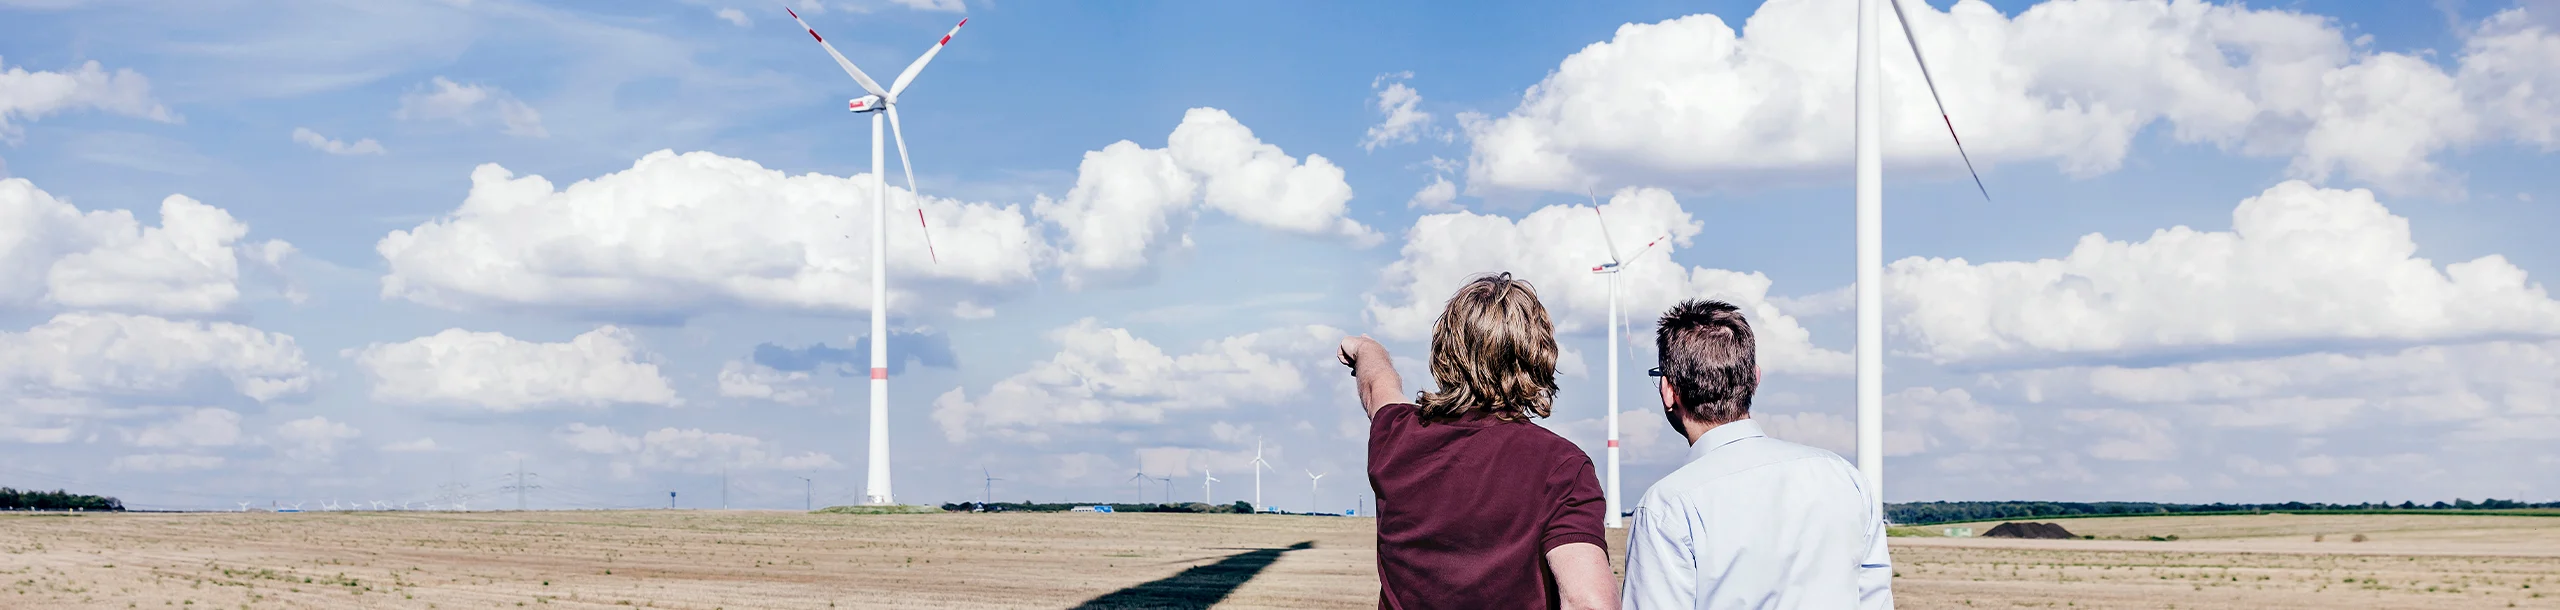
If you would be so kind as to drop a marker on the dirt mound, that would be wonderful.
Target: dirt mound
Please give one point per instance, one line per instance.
(2047, 531)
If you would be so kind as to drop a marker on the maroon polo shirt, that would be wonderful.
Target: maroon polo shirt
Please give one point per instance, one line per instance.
(1468, 509)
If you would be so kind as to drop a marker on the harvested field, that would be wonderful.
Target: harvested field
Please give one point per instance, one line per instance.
(745, 559)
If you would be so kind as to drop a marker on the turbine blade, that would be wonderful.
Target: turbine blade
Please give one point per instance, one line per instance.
(900, 135)
(858, 76)
(909, 76)
(1604, 229)
(1925, 77)
(1648, 246)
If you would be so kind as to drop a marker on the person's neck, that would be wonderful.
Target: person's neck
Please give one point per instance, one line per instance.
(1698, 429)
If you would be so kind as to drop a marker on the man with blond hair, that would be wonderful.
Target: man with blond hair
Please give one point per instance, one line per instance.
(1477, 506)
(1747, 521)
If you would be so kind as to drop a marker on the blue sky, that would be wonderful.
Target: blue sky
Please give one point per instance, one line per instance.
(2370, 325)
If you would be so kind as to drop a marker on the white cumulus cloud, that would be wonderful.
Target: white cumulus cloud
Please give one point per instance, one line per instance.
(1130, 201)
(108, 355)
(313, 139)
(52, 253)
(742, 379)
(1401, 122)
(677, 235)
(29, 95)
(1106, 376)
(690, 450)
(2483, 392)
(1555, 248)
(1692, 102)
(313, 438)
(1440, 195)
(2301, 264)
(471, 105)
(492, 371)
(195, 428)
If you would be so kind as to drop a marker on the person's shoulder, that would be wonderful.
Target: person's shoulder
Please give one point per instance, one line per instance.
(1398, 410)
(1547, 440)
(1779, 450)
(1758, 454)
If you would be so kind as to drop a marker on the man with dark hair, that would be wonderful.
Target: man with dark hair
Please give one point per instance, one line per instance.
(1477, 506)
(1749, 521)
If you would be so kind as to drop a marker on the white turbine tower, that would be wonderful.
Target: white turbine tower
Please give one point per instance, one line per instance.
(1870, 211)
(1258, 467)
(1611, 269)
(1312, 477)
(875, 489)
(1205, 480)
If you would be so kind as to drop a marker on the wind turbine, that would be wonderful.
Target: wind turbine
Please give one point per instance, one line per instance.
(875, 489)
(991, 486)
(244, 507)
(1611, 269)
(1258, 467)
(1205, 480)
(1312, 477)
(1870, 211)
(1168, 488)
(1141, 478)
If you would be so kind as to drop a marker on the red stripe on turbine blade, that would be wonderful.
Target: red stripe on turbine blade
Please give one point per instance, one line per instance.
(814, 34)
(794, 14)
(1951, 129)
(946, 39)
(928, 235)
(963, 21)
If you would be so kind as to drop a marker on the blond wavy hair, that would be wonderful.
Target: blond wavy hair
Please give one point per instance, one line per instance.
(1492, 350)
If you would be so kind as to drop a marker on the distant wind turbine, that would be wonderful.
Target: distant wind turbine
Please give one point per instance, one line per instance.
(1312, 477)
(876, 487)
(1258, 467)
(991, 486)
(1141, 478)
(1611, 269)
(1205, 480)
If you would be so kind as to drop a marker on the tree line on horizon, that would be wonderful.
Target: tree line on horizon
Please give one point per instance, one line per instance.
(1925, 513)
(14, 499)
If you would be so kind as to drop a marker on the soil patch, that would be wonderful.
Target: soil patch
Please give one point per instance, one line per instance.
(2043, 531)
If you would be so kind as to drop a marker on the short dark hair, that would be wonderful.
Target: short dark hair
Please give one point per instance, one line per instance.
(1708, 358)
(1492, 350)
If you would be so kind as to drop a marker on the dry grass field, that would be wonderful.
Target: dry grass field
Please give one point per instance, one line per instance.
(747, 559)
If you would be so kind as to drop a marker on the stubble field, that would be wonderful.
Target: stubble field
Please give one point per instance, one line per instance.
(747, 559)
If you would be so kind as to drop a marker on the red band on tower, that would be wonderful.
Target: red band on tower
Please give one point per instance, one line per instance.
(879, 373)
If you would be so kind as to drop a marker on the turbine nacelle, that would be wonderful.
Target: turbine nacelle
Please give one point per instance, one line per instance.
(867, 103)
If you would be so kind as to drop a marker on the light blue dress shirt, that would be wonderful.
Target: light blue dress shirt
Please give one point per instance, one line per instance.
(1756, 522)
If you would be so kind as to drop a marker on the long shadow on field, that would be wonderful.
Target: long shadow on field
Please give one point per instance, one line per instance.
(1198, 587)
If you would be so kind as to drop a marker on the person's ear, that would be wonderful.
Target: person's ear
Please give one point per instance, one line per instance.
(1670, 398)
(1755, 376)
